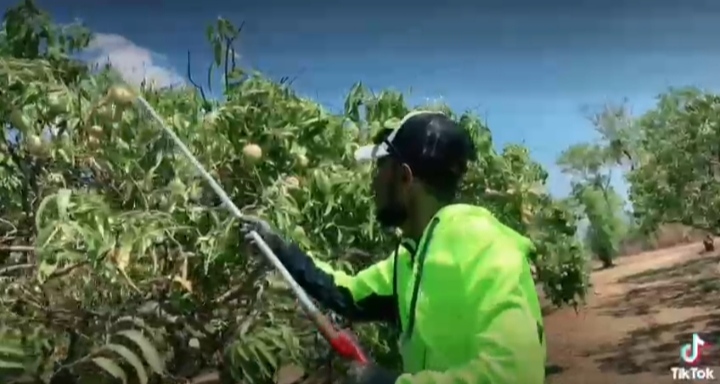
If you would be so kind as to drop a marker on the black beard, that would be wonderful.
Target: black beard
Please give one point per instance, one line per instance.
(392, 216)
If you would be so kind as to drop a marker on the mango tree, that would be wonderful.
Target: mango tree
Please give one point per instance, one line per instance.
(676, 179)
(119, 262)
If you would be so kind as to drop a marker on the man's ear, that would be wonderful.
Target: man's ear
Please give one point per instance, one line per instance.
(406, 174)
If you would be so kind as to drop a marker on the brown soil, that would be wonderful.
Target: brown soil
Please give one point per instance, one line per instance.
(637, 316)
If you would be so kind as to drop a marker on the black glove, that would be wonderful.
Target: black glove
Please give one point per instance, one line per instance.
(370, 374)
(265, 230)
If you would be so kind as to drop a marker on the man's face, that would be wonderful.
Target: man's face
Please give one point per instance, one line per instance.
(391, 187)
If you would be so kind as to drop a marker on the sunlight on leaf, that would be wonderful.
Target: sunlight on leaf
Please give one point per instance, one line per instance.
(151, 355)
(111, 368)
(132, 359)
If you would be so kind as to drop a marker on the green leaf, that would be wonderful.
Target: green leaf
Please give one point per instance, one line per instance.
(131, 358)
(391, 123)
(8, 350)
(260, 363)
(4, 364)
(138, 322)
(263, 350)
(63, 202)
(111, 368)
(151, 355)
(45, 269)
(40, 213)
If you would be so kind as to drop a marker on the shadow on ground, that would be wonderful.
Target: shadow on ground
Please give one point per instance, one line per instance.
(552, 369)
(677, 271)
(695, 283)
(657, 348)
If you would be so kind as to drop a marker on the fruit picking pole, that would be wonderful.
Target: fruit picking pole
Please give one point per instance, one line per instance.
(342, 342)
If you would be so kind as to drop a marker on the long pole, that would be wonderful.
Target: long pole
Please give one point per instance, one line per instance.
(343, 343)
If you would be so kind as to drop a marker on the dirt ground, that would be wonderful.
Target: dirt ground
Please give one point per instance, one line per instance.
(638, 315)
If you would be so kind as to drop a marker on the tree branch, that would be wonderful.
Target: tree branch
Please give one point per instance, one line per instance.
(16, 267)
(190, 78)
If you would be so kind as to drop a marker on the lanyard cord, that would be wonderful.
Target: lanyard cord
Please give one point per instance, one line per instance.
(420, 261)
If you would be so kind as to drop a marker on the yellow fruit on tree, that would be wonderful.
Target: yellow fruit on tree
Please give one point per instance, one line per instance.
(19, 121)
(120, 95)
(209, 120)
(298, 232)
(302, 160)
(34, 144)
(95, 131)
(252, 152)
(57, 101)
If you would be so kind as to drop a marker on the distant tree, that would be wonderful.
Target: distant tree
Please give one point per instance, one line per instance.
(591, 166)
(676, 177)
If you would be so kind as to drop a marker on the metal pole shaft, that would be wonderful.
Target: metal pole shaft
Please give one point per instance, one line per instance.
(300, 293)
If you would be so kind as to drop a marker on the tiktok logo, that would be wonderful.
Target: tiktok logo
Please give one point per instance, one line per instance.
(690, 353)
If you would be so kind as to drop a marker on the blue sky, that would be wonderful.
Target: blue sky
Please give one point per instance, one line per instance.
(526, 67)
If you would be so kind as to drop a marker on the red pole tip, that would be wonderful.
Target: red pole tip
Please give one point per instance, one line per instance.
(346, 346)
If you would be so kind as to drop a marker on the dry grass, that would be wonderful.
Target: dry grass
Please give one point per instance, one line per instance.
(667, 236)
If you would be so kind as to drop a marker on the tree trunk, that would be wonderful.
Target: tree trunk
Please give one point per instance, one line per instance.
(709, 244)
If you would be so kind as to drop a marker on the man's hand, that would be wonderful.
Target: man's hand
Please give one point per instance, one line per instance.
(264, 229)
(370, 374)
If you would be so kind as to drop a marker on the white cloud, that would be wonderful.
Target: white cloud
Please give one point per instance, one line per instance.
(134, 62)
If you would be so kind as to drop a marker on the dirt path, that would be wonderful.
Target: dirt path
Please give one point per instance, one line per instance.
(638, 316)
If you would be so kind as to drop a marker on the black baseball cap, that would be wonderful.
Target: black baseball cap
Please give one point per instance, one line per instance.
(429, 142)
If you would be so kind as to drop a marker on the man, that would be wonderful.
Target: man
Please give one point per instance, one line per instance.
(459, 287)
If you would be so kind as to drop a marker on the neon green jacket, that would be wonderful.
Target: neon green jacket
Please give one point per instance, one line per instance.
(477, 317)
